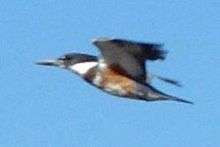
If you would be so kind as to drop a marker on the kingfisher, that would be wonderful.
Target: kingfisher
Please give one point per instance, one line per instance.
(120, 70)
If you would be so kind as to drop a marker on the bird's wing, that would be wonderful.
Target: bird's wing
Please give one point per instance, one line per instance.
(170, 81)
(129, 56)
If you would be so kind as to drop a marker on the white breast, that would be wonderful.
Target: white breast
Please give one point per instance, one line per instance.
(82, 68)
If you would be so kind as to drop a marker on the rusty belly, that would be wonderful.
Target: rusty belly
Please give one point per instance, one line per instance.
(115, 83)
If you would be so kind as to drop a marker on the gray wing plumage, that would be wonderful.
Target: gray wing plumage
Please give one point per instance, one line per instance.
(130, 56)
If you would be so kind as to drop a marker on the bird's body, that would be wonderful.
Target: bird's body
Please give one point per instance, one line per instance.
(121, 69)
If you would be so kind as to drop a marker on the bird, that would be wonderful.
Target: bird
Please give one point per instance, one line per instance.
(120, 69)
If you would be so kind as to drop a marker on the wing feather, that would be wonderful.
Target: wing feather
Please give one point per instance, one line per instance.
(129, 55)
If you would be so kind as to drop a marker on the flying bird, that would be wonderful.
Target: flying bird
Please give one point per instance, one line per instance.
(120, 70)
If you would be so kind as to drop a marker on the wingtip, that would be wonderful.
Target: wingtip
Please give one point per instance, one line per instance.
(170, 81)
(159, 54)
(164, 54)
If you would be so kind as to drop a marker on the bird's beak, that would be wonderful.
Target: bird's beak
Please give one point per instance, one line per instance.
(53, 62)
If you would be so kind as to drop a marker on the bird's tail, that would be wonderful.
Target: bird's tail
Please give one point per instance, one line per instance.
(177, 99)
(152, 94)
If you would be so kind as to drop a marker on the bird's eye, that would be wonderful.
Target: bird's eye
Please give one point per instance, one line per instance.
(67, 57)
(62, 58)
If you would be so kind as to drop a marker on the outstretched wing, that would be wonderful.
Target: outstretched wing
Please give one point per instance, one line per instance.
(129, 56)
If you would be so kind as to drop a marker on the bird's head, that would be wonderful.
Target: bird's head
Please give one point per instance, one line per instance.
(73, 61)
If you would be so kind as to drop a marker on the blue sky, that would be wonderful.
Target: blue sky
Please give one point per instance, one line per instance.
(48, 107)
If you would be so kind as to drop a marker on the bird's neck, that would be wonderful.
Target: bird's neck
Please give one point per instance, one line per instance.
(83, 68)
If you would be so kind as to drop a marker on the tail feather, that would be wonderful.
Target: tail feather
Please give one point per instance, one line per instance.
(179, 100)
(152, 94)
